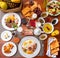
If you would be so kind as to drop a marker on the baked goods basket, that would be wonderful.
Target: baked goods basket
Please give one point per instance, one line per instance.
(17, 9)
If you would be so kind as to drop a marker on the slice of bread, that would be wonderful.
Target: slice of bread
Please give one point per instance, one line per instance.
(54, 44)
(56, 53)
(54, 50)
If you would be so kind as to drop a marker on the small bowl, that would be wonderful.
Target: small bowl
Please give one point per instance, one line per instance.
(19, 29)
(56, 21)
(44, 14)
(34, 16)
(37, 31)
(48, 28)
(41, 20)
(43, 36)
(38, 24)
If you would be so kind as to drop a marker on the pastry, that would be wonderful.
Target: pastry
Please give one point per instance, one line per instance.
(56, 53)
(33, 6)
(54, 44)
(11, 46)
(28, 14)
(54, 50)
(7, 48)
(25, 10)
(30, 8)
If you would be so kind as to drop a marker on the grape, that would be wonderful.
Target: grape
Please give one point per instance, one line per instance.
(37, 11)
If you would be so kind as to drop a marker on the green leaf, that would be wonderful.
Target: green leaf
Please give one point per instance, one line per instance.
(15, 25)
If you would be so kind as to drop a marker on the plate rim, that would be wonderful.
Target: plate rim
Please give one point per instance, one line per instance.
(27, 55)
(3, 24)
(11, 54)
(8, 32)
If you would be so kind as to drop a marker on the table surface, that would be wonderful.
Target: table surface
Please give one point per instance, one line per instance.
(44, 42)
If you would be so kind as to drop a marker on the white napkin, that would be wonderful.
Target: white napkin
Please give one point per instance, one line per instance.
(48, 50)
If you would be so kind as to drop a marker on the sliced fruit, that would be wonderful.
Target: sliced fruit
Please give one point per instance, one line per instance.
(3, 5)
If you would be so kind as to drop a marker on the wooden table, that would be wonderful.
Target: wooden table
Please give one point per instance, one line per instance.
(45, 42)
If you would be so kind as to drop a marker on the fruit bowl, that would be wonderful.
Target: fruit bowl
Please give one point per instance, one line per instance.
(17, 9)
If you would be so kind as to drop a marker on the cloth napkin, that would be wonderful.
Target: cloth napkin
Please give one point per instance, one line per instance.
(48, 47)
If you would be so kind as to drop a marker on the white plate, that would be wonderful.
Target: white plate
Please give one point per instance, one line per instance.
(36, 51)
(13, 50)
(47, 8)
(3, 34)
(6, 15)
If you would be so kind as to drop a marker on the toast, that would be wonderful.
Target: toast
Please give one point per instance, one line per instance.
(54, 50)
(56, 53)
(54, 44)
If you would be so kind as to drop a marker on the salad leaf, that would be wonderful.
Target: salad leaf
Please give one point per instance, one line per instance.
(14, 25)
